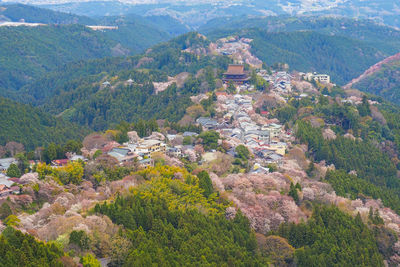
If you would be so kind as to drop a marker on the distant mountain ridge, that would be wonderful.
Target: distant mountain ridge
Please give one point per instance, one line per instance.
(26, 13)
(382, 37)
(196, 13)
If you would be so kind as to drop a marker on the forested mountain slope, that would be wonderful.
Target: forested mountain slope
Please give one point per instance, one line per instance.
(77, 91)
(18, 12)
(32, 127)
(28, 52)
(165, 24)
(382, 79)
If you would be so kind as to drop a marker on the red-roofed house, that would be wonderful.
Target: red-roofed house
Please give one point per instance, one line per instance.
(60, 162)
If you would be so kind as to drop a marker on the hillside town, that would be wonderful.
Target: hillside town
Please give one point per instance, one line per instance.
(237, 123)
(252, 145)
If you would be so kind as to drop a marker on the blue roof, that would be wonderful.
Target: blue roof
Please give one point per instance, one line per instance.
(189, 134)
(207, 121)
(122, 151)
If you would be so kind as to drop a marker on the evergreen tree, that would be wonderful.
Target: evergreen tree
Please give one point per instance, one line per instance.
(5, 210)
(13, 171)
(293, 192)
(205, 183)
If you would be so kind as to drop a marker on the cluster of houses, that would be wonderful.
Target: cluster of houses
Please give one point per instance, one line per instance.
(280, 81)
(264, 140)
(236, 126)
(139, 150)
(143, 150)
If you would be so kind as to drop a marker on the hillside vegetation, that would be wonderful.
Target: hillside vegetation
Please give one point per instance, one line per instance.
(76, 91)
(86, 101)
(18, 12)
(384, 82)
(33, 127)
(340, 57)
(26, 53)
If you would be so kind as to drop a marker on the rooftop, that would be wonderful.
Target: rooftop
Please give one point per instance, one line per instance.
(119, 150)
(235, 69)
(207, 121)
(150, 142)
(4, 181)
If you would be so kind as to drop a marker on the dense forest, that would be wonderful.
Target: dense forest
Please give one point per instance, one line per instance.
(139, 33)
(332, 238)
(85, 100)
(170, 222)
(18, 249)
(28, 52)
(33, 127)
(341, 57)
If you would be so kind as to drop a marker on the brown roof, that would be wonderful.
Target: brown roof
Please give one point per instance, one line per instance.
(235, 69)
(221, 94)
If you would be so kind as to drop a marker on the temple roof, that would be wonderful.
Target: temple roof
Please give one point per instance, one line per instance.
(235, 70)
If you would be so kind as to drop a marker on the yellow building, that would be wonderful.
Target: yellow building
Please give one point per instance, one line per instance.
(152, 146)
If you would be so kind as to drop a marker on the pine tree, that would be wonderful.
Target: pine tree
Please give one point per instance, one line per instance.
(205, 183)
(293, 192)
(13, 171)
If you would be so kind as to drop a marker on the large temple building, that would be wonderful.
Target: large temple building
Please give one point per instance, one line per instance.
(236, 74)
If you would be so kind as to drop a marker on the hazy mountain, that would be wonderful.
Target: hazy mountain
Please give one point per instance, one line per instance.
(18, 12)
(198, 13)
(382, 37)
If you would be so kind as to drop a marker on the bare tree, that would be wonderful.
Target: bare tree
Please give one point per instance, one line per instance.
(3, 151)
(14, 148)
(94, 141)
(39, 153)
